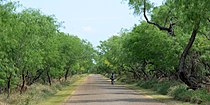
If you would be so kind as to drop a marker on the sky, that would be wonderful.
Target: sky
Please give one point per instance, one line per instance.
(93, 20)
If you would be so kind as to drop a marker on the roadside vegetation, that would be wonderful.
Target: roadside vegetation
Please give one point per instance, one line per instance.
(168, 52)
(166, 91)
(41, 94)
(36, 58)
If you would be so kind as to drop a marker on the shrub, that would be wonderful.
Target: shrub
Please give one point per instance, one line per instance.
(177, 90)
(162, 87)
(125, 79)
(147, 84)
(180, 92)
(200, 95)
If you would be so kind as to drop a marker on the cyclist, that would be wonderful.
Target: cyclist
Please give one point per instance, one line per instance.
(112, 78)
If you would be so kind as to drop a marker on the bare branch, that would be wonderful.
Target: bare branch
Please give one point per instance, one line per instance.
(169, 30)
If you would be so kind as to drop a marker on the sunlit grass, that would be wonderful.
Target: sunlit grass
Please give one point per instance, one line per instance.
(61, 96)
(40, 94)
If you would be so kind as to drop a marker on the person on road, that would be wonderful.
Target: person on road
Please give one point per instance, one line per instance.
(112, 78)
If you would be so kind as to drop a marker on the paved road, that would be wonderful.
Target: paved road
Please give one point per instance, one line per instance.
(98, 91)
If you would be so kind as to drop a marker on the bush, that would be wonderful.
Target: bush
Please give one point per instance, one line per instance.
(162, 87)
(147, 84)
(180, 92)
(200, 95)
(125, 80)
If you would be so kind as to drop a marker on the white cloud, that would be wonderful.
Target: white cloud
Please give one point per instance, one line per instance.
(88, 29)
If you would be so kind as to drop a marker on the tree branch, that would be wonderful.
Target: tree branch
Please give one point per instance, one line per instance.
(169, 29)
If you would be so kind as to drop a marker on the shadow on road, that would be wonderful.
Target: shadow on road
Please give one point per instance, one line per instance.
(130, 100)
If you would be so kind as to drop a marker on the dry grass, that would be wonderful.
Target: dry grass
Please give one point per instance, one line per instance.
(39, 93)
(62, 95)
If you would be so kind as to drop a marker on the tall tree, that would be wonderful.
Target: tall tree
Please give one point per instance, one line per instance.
(192, 15)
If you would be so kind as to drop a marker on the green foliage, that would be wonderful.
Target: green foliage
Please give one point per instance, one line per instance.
(177, 90)
(161, 87)
(39, 92)
(138, 5)
(146, 52)
(180, 93)
(144, 43)
(199, 96)
(33, 49)
(147, 84)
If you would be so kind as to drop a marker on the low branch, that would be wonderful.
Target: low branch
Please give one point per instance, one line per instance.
(38, 75)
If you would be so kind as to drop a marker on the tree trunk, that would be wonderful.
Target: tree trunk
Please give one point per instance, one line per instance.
(144, 68)
(49, 79)
(0, 90)
(182, 72)
(193, 65)
(66, 74)
(23, 83)
(8, 85)
(135, 72)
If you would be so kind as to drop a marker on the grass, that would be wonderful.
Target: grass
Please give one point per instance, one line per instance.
(62, 95)
(169, 100)
(44, 94)
(200, 96)
(170, 92)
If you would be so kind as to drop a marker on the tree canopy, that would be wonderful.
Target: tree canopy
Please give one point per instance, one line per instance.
(172, 42)
(32, 49)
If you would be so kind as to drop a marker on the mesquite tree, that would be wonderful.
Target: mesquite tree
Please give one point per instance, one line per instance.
(33, 49)
(190, 15)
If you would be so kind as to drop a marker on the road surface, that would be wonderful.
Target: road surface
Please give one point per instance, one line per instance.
(96, 90)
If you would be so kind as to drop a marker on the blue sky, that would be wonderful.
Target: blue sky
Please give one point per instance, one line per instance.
(93, 20)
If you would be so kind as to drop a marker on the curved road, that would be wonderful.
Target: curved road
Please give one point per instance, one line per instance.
(96, 90)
